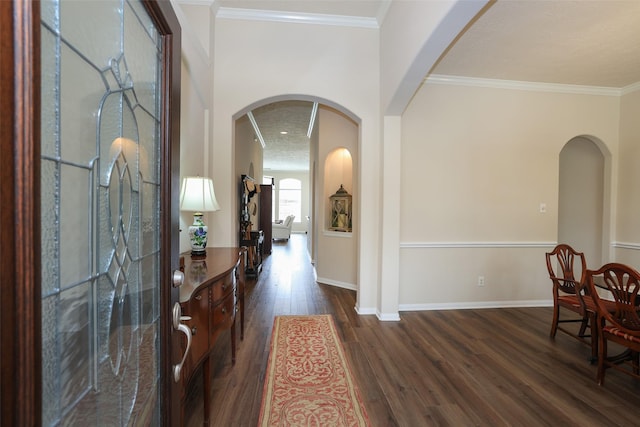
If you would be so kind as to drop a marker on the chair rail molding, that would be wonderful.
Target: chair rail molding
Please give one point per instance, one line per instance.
(626, 245)
(436, 245)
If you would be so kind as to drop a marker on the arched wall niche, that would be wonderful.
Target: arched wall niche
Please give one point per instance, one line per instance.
(584, 197)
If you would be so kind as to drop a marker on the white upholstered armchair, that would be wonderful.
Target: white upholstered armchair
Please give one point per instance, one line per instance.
(282, 230)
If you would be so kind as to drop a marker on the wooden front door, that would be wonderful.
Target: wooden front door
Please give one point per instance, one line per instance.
(90, 155)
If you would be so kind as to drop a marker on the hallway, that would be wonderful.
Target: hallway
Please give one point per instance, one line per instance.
(286, 285)
(488, 367)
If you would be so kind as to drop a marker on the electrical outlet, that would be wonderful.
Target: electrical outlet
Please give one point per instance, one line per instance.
(480, 280)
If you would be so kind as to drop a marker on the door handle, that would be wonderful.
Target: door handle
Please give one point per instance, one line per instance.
(179, 326)
(178, 278)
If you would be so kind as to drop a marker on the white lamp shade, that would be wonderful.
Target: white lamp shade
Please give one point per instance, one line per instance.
(197, 195)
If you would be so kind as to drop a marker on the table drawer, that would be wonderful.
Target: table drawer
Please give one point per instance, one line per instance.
(222, 287)
(223, 315)
(198, 309)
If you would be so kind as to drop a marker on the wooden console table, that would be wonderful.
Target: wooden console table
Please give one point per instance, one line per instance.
(212, 292)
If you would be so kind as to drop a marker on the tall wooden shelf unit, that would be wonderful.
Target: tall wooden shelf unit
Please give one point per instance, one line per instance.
(265, 220)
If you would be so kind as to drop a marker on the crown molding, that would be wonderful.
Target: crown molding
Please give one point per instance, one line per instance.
(296, 17)
(440, 79)
(208, 3)
(630, 89)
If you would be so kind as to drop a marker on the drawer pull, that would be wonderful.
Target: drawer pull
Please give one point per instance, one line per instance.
(198, 297)
(224, 310)
(193, 330)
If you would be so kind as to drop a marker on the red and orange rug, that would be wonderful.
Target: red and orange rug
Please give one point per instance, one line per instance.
(308, 382)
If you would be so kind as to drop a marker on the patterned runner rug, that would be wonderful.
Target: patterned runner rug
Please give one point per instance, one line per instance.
(308, 382)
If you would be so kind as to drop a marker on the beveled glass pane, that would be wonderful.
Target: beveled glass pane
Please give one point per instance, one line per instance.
(100, 200)
(130, 130)
(150, 219)
(150, 293)
(94, 27)
(49, 13)
(50, 360)
(142, 61)
(49, 94)
(81, 90)
(145, 22)
(49, 194)
(111, 142)
(74, 338)
(149, 164)
(105, 296)
(75, 225)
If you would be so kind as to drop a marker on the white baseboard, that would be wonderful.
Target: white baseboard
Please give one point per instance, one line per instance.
(388, 317)
(365, 311)
(337, 283)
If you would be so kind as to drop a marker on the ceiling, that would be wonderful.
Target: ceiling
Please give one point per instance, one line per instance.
(290, 151)
(592, 43)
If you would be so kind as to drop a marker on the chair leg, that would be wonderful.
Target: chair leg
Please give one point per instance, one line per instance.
(593, 318)
(583, 326)
(554, 322)
(602, 355)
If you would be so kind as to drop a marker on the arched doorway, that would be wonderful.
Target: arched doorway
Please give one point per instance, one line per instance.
(583, 198)
(334, 127)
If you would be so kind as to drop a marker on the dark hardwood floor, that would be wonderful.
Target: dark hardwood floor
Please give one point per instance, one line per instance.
(489, 367)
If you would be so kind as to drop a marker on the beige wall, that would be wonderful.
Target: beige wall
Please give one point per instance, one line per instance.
(260, 62)
(476, 164)
(194, 106)
(248, 161)
(581, 199)
(627, 219)
(465, 167)
(336, 261)
(412, 37)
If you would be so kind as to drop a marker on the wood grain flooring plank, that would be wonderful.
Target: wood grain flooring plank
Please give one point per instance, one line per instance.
(486, 367)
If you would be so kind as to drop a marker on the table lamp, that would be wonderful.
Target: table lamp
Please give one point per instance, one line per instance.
(197, 195)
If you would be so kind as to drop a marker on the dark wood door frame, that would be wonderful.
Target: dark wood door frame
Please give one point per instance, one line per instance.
(20, 316)
(19, 212)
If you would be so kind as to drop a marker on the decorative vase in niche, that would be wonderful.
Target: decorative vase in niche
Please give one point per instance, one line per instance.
(198, 236)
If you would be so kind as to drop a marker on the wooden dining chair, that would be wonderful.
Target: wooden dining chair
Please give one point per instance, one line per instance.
(567, 271)
(565, 263)
(622, 326)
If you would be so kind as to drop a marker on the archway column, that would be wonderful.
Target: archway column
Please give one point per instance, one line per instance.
(389, 291)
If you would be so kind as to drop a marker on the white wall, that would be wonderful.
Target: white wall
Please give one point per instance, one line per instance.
(476, 164)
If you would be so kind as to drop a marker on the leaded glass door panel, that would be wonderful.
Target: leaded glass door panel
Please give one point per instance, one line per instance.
(102, 187)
